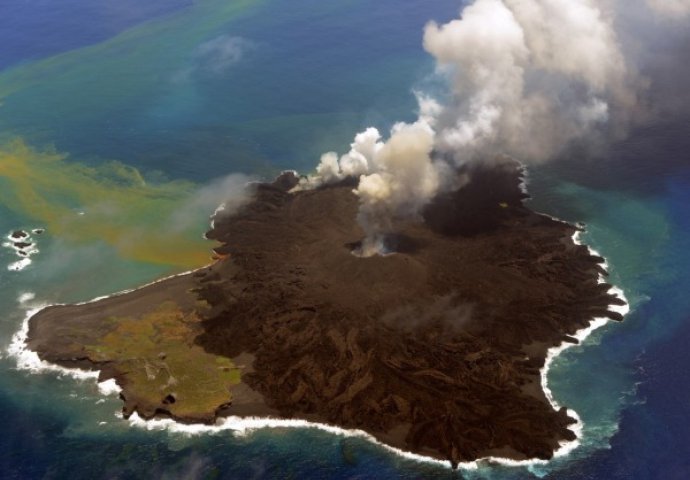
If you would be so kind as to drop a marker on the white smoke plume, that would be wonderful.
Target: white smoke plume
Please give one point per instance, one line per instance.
(225, 195)
(671, 8)
(403, 177)
(525, 78)
(395, 176)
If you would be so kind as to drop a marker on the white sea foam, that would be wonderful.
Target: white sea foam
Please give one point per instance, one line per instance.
(109, 387)
(524, 180)
(581, 336)
(130, 290)
(25, 235)
(26, 297)
(30, 250)
(241, 426)
(19, 265)
(24, 253)
(29, 360)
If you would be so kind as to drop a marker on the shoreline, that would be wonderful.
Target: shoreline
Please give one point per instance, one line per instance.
(29, 360)
(581, 335)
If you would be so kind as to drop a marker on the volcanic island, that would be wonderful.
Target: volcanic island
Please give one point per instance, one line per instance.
(435, 348)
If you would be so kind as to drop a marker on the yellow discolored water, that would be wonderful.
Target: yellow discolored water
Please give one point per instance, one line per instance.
(111, 202)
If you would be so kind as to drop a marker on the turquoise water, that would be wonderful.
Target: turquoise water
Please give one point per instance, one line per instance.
(186, 92)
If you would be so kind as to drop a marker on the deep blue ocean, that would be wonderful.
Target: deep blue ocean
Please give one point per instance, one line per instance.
(112, 114)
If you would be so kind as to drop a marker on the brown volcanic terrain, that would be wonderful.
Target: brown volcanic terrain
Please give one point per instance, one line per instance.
(434, 349)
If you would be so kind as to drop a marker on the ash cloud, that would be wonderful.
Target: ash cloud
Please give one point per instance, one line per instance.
(524, 78)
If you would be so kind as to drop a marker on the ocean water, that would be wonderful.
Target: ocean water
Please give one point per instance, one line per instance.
(112, 117)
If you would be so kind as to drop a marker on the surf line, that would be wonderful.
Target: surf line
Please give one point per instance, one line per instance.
(581, 335)
(29, 360)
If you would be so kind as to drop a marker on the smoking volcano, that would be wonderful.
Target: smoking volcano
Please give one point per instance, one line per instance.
(432, 335)
(435, 348)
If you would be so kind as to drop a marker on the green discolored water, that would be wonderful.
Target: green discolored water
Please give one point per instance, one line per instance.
(102, 145)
